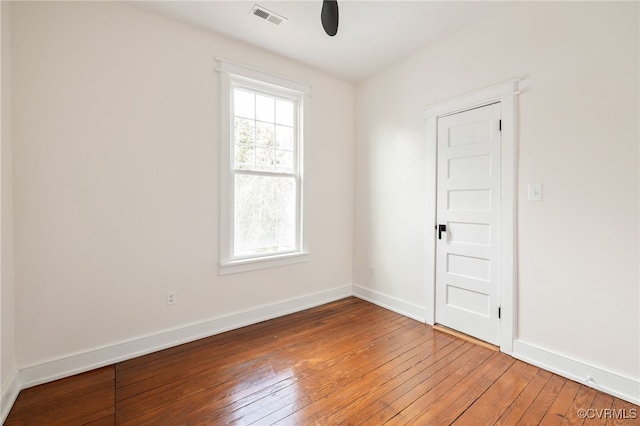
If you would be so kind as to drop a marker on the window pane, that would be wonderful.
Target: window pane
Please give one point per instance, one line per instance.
(244, 104)
(265, 135)
(264, 215)
(244, 131)
(284, 112)
(265, 108)
(284, 137)
(244, 134)
(265, 159)
(284, 161)
(245, 157)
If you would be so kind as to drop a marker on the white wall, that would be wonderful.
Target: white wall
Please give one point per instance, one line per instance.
(8, 369)
(578, 283)
(116, 138)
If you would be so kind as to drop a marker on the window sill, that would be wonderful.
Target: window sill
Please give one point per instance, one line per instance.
(244, 265)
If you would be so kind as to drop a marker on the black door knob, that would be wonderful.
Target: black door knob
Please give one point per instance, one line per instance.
(441, 229)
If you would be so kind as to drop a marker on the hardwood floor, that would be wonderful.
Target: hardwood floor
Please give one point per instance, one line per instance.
(347, 362)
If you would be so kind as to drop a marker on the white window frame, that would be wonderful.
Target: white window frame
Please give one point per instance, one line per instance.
(233, 75)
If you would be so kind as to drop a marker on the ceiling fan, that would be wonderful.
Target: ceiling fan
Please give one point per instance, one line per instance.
(329, 16)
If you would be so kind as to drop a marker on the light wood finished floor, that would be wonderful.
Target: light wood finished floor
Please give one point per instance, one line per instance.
(347, 362)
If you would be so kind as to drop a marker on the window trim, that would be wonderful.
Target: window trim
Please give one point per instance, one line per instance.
(232, 74)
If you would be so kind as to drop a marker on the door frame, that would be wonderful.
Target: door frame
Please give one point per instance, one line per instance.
(505, 94)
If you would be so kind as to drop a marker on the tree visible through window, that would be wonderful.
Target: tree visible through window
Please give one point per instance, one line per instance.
(262, 185)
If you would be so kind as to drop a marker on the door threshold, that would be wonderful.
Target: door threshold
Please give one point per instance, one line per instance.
(466, 337)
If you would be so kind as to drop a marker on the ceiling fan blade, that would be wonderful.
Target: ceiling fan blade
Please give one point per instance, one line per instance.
(329, 16)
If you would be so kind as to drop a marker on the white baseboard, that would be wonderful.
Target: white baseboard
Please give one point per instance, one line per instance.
(8, 396)
(89, 360)
(605, 381)
(388, 302)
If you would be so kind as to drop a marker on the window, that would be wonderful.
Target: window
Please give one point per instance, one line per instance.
(262, 163)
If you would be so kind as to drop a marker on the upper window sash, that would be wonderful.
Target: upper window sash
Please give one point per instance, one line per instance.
(281, 119)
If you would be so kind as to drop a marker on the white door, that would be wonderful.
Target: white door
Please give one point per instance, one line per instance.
(468, 216)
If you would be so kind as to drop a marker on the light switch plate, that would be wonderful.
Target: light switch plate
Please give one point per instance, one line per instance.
(535, 192)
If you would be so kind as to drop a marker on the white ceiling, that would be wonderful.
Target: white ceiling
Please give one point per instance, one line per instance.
(371, 34)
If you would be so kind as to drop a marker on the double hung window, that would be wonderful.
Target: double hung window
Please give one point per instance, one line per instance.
(262, 215)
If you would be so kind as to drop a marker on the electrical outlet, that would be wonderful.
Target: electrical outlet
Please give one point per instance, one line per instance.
(372, 271)
(171, 298)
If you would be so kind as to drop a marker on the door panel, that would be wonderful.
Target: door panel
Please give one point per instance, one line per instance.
(475, 234)
(468, 203)
(473, 166)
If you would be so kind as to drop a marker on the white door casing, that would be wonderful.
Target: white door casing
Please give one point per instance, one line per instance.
(468, 216)
(503, 95)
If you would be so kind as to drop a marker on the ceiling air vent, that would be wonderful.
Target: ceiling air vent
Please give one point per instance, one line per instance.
(267, 15)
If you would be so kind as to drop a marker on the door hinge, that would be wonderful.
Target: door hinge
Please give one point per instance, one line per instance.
(499, 313)
(499, 125)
